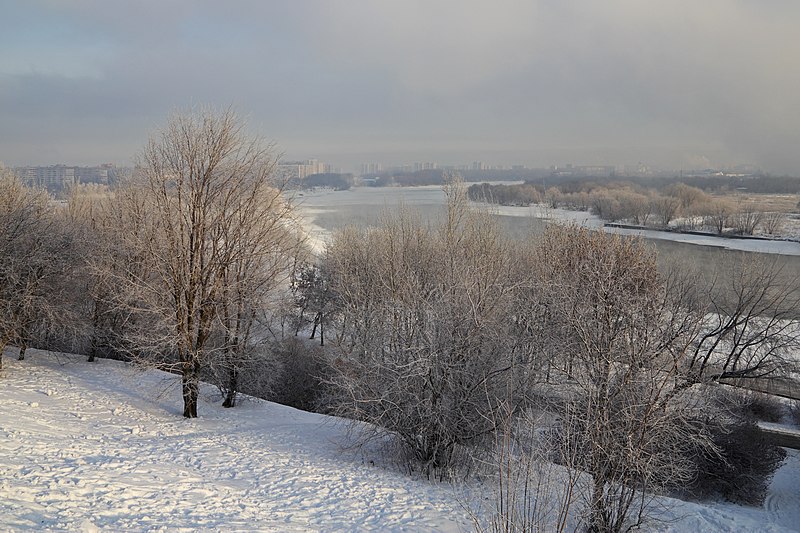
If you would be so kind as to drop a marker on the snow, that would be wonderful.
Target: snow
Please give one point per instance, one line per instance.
(780, 428)
(781, 510)
(103, 446)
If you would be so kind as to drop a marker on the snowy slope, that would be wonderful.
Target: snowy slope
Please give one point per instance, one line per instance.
(103, 446)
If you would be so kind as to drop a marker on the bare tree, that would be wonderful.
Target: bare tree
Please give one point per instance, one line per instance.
(688, 196)
(749, 320)
(718, 213)
(773, 222)
(622, 410)
(533, 493)
(605, 205)
(427, 345)
(262, 246)
(204, 185)
(118, 266)
(36, 267)
(553, 197)
(665, 208)
(636, 207)
(747, 217)
(87, 214)
(621, 331)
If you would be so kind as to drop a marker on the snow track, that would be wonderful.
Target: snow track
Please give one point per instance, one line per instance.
(783, 501)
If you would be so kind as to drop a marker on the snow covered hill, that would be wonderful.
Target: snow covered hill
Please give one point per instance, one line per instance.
(103, 446)
(86, 446)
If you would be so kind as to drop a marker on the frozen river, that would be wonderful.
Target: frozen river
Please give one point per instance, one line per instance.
(325, 211)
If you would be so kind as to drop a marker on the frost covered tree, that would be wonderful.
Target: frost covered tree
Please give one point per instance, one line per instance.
(773, 222)
(747, 217)
(665, 209)
(118, 266)
(36, 266)
(88, 215)
(634, 351)
(621, 331)
(208, 228)
(428, 344)
(689, 196)
(261, 246)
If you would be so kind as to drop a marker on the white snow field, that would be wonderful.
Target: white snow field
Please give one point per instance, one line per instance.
(103, 446)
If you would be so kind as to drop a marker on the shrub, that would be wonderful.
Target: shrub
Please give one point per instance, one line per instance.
(426, 347)
(742, 470)
(299, 384)
(763, 407)
(794, 412)
(744, 462)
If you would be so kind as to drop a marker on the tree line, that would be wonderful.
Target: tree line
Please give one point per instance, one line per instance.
(676, 206)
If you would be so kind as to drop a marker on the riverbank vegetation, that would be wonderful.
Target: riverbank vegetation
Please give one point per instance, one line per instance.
(702, 206)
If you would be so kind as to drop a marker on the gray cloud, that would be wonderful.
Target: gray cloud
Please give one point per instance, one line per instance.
(670, 83)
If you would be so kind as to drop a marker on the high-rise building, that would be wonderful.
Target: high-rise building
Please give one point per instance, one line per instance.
(301, 169)
(371, 168)
(52, 177)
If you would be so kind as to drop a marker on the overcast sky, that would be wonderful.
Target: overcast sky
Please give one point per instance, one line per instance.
(670, 83)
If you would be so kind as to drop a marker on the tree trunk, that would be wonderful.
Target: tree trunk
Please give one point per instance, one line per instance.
(597, 519)
(314, 328)
(233, 383)
(300, 321)
(190, 382)
(93, 341)
(92, 350)
(23, 347)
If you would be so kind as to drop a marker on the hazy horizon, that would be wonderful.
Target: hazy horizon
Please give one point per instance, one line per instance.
(674, 84)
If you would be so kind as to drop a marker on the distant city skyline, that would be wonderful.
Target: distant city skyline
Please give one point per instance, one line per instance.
(368, 163)
(671, 84)
(62, 174)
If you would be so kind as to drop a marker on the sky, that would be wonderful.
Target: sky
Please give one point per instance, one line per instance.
(668, 83)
